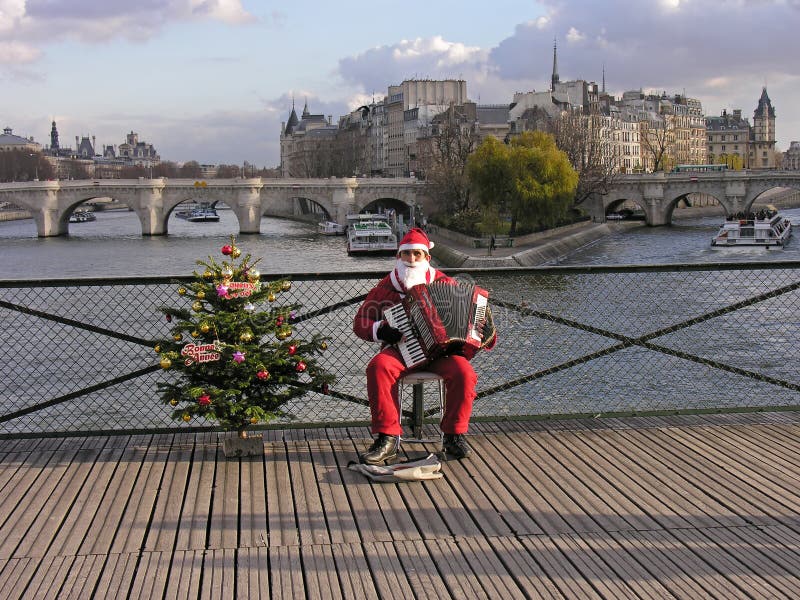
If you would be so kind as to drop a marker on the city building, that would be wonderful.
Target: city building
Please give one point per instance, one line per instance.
(762, 136)
(85, 161)
(791, 158)
(134, 152)
(9, 141)
(307, 145)
(411, 106)
(729, 140)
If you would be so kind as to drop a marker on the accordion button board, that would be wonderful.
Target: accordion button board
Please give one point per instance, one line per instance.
(438, 319)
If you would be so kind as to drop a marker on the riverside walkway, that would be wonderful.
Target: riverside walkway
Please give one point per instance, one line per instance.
(692, 506)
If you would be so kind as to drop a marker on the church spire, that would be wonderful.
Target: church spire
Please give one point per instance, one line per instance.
(604, 78)
(554, 77)
(54, 137)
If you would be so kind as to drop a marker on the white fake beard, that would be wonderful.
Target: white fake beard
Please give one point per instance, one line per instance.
(411, 275)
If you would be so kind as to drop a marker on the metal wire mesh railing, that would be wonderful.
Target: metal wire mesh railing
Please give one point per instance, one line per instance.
(78, 355)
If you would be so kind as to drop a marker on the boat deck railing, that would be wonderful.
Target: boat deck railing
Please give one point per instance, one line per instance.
(78, 355)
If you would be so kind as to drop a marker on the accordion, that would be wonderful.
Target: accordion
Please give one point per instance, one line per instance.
(439, 319)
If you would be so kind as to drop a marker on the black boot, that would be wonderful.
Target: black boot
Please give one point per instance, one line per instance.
(382, 451)
(455, 444)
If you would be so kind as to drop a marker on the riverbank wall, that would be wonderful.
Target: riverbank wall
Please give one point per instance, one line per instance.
(14, 215)
(452, 249)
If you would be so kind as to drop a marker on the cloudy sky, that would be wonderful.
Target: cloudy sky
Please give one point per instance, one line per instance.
(212, 80)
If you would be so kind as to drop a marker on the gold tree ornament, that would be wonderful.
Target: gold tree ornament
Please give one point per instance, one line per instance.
(165, 363)
(197, 306)
(286, 286)
(201, 295)
(182, 291)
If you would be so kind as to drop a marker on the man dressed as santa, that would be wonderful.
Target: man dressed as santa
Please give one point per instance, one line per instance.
(387, 367)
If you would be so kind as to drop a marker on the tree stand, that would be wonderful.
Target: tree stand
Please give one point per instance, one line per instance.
(243, 445)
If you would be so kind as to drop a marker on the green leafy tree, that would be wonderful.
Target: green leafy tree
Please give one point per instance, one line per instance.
(236, 364)
(529, 179)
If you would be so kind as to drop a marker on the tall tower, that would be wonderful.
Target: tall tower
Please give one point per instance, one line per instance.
(54, 138)
(554, 76)
(763, 135)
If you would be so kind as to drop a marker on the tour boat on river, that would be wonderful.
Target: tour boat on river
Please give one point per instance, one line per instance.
(370, 234)
(82, 216)
(331, 228)
(764, 228)
(204, 213)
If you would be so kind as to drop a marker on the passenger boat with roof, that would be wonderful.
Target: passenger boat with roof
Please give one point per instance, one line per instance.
(765, 228)
(203, 213)
(370, 234)
(82, 216)
(331, 228)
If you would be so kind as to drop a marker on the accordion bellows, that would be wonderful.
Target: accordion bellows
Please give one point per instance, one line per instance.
(440, 319)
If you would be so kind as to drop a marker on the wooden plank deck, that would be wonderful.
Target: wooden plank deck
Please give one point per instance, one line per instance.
(683, 507)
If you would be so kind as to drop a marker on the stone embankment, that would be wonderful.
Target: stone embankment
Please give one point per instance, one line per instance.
(14, 215)
(453, 250)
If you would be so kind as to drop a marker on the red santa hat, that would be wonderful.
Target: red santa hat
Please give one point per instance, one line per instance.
(415, 239)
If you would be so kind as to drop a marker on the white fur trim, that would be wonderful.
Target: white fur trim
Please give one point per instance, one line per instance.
(423, 247)
(375, 326)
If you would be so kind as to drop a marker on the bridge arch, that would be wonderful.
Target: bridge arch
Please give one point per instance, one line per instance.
(153, 200)
(755, 194)
(612, 204)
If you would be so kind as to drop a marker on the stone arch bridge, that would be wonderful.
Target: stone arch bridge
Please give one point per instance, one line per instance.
(52, 202)
(659, 193)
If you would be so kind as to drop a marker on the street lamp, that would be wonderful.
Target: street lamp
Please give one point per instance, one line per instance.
(36, 168)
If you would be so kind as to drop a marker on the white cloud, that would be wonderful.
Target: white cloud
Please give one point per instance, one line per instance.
(93, 21)
(573, 35)
(435, 57)
(10, 12)
(228, 11)
(16, 53)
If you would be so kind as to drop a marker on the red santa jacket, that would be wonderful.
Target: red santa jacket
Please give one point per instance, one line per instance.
(388, 292)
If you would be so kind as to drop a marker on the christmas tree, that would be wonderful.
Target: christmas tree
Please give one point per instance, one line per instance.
(235, 364)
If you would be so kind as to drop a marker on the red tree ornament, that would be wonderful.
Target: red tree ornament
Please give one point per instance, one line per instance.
(301, 366)
(204, 400)
(292, 350)
(226, 250)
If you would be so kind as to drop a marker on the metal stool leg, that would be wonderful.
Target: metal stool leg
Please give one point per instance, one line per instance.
(417, 410)
(418, 405)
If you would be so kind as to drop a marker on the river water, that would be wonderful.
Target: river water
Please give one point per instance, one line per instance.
(112, 246)
(687, 240)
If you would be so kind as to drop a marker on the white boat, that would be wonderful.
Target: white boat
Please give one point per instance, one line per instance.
(82, 216)
(764, 228)
(370, 234)
(198, 214)
(331, 228)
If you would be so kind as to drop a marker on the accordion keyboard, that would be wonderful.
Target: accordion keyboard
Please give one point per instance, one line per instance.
(409, 347)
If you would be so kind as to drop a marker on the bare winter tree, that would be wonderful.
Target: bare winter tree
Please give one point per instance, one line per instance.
(442, 157)
(592, 153)
(657, 136)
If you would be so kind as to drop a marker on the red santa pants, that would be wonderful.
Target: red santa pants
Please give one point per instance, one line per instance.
(387, 367)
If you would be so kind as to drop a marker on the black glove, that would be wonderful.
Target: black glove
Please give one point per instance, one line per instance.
(388, 334)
